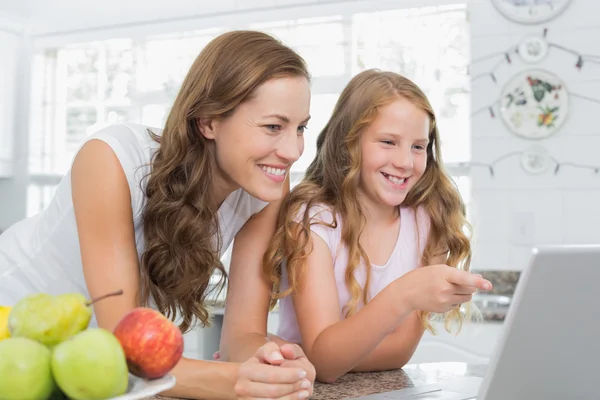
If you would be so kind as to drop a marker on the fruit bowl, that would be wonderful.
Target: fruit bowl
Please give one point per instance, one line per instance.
(139, 388)
(52, 351)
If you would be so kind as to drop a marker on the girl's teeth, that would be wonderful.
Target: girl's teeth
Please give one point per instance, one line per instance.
(395, 180)
(273, 171)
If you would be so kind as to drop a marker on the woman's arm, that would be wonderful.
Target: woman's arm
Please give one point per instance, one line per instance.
(254, 379)
(249, 293)
(248, 297)
(104, 219)
(102, 206)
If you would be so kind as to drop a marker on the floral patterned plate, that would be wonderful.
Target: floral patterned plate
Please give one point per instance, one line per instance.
(534, 104)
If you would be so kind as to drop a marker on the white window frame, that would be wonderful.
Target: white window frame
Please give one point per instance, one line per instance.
(243, 20)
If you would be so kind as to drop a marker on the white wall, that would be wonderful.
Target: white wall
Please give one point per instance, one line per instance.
(514, 210)
(14, 49)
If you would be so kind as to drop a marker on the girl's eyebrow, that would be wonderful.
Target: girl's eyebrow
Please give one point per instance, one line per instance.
(397, 136)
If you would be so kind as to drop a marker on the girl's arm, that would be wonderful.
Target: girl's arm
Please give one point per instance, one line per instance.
(249, 293)
(102, 205)
(333, 345)
(396, 349)
(399, 346)
(337, 346)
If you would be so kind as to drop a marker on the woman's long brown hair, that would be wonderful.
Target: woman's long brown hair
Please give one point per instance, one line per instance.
(332, 180)
(180, 221)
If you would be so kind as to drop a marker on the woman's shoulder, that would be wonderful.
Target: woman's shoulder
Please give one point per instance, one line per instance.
(129, 134)
(134, 146)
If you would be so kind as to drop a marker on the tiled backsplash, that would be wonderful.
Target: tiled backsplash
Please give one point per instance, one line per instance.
(494, 305)
(504, 282)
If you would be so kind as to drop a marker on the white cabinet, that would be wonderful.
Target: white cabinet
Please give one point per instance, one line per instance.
(474, 344)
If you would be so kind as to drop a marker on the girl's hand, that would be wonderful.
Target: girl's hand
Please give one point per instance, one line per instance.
(439, 288)
(268, 375)
(294, 357)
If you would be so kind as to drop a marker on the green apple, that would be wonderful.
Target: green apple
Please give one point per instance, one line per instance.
(90, 366)
(25, 370)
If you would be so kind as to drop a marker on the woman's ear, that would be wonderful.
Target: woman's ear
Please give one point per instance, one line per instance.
(207, 128)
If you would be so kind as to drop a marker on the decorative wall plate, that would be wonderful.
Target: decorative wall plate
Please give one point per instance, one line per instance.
(535, 160)
(531, 11)
(533, 49)
(534, 104)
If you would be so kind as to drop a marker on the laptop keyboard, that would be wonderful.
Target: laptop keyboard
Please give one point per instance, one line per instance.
(438, 394)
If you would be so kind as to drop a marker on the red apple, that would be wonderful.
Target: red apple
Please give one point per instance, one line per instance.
(153, 344)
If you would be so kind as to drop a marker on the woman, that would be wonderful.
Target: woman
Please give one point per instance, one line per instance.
(151, 212)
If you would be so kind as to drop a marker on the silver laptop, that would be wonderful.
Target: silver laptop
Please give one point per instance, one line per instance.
(550, 345)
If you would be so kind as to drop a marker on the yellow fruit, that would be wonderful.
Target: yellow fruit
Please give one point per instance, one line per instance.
(4, 311)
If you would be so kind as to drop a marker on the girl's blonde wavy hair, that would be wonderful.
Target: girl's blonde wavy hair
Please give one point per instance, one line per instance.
(332, 179)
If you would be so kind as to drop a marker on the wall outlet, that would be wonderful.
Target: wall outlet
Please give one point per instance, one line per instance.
(523, 228)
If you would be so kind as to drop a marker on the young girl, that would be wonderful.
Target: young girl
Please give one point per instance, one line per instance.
(151, 211)
(371, 241)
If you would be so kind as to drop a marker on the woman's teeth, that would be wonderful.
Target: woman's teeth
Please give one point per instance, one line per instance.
(273, 171)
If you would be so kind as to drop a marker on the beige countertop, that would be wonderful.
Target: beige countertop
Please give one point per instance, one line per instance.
(360, 384)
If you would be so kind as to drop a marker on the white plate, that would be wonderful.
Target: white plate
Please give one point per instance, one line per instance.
(139, 388)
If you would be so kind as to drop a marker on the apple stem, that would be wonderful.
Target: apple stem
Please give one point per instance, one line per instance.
(117, 293)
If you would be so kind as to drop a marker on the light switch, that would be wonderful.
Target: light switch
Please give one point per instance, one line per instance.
(523, 228)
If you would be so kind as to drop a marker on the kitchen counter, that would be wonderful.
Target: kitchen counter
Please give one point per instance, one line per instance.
(360, 384)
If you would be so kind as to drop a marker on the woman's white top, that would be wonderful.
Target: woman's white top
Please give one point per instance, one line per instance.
(41, 253)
